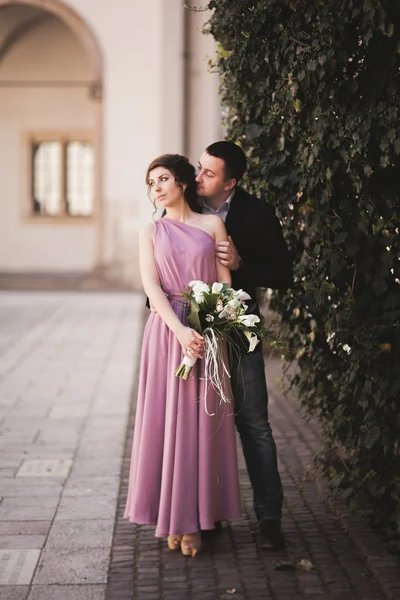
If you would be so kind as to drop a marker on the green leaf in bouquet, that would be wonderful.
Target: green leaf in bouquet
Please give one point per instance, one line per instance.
(210, 300)
(194, 317)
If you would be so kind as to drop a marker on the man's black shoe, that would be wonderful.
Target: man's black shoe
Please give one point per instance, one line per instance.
(271, 536)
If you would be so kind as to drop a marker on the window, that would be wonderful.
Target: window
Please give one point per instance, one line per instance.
(62, 177)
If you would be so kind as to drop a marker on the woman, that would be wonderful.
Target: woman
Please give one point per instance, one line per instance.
(184, 468)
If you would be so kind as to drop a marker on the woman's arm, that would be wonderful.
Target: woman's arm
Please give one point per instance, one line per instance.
(187, 337)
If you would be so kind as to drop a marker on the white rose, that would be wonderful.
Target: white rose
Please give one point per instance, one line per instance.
(209, 318)
(253, 340)
(194, 282)
(249, 320)
(216, 288)
(199, 289)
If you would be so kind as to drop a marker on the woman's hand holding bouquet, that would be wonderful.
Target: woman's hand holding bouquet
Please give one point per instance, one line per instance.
(218, 312)
(192, 342)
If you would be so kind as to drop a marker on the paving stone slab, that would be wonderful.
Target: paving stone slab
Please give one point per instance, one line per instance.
(24, 425)
(26, 513)
(45, 468)
(17, 566)
(34, 411)
(100, 450)
(73, 566)
(95, 467)
(14, 592)
(92, 486)
(69, 438)
(22, 542)
(83, 507)
(96, 533)
(32, 501)
(104, 424)
(25, 434)
(67, 592)
(25, 527)
(69, 411)
(110, 409)
(40, 451)
(7, 473)
(74, 399)
(9, 463)
(30, 490)
(7, 402)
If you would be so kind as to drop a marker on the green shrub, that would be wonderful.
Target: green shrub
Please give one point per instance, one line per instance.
(311, 91)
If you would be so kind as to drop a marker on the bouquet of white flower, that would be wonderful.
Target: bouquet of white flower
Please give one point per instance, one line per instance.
(219, 312)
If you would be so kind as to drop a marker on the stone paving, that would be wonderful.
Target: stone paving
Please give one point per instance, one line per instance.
(67, 362)
(348, 561)
(66, 369)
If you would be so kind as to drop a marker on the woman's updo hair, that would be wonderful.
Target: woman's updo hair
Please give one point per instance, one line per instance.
(184, 173)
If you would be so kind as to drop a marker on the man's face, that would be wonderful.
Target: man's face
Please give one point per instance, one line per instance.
(211, 178)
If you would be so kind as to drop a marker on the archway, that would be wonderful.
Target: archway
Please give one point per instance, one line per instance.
(19, 21)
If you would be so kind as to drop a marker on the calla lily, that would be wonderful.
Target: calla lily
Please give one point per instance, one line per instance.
(253, 340)
(216, 288)
(249, 320)
(228, 313)
(234, 303)
(243, 295)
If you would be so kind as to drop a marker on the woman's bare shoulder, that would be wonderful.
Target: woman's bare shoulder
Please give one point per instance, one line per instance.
(147, 231)
(210, 221)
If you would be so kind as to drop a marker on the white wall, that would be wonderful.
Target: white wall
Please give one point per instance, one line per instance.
(142, 49)
(48, 53)
(204, 105)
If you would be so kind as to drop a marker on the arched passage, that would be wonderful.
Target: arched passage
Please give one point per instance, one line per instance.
(45, 94)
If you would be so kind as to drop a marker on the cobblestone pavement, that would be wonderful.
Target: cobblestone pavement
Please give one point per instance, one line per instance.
(66, 368)
(349, 562)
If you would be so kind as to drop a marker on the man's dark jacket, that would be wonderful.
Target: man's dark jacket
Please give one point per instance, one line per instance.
(257, 235)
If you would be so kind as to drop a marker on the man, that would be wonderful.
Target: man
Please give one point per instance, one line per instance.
(257, 255)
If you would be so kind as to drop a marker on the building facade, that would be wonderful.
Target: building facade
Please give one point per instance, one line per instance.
(90, 93)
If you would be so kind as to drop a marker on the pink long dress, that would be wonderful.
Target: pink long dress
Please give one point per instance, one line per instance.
(184, 474)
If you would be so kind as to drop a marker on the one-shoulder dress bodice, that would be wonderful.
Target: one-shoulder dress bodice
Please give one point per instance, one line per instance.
(183, 253)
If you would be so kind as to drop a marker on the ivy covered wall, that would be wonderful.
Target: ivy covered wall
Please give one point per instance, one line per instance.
(311, 91)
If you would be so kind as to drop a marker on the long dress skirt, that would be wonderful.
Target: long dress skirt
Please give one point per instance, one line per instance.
(184, 474)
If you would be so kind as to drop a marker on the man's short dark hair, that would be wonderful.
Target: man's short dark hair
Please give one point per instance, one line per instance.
(233, 157)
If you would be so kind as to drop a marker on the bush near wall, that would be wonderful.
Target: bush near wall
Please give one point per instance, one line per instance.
(311, 91)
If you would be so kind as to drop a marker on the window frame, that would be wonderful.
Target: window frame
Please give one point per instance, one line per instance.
(63, 137)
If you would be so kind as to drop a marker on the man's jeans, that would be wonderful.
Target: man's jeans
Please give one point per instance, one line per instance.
(251, 416)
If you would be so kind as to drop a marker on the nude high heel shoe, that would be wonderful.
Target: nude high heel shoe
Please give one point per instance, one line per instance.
(174, 541)
(191, 544)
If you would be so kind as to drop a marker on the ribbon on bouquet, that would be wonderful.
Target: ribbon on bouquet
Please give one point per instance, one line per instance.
(214, 364)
